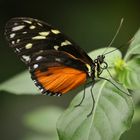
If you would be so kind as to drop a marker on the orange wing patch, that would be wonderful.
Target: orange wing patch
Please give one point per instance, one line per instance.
(60, 79)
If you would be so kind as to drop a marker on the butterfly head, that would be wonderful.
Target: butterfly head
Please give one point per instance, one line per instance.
(100, 59)
(98, 66)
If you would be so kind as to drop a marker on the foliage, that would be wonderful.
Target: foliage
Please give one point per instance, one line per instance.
(43, 122)
(110, 105)
(113, 110)
(20, 84)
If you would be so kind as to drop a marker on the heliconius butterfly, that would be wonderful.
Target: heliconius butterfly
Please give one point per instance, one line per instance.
(57, 65)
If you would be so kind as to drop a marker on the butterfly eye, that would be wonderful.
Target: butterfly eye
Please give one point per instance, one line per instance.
(95, 61)
(104, 65)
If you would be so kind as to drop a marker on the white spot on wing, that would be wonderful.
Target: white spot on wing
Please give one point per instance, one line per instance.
(29, 46)
(65, 43)
(35, 81)
(15, 24)
(18, 40)
(56, 47)
(27, 21)
(38, 37)
(17, 50)
(12, 35)
(39, 57)
(39, 24)
(58, 59)
(26, 58)
(16, 28)
(24, 32)
(44, 33)
(58, 94)
(32, 27)
(42, 90)
(39, 87)
(35, 66)
(41, 51)
(13, 42)
(55, 31)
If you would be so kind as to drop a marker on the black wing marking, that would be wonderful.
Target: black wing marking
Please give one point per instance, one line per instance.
(29, 36)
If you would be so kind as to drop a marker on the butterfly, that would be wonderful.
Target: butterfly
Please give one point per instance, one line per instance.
(56, 63)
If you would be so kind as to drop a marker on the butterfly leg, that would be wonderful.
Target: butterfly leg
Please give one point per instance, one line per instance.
(114, 85)
(82, 97)
(93, 100)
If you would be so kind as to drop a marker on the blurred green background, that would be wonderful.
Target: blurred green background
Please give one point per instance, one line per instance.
(91, 24)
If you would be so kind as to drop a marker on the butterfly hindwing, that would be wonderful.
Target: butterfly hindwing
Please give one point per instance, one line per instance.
(55, 72)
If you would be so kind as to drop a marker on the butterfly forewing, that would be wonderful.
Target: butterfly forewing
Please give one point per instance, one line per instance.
(28, 36)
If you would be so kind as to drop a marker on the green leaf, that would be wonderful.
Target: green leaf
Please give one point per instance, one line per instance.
(136, 117)
(43, 119)
(129, 74)
(20, 84)
(43, 122)
(134, 48)
(128, 71)
(39, 137)
(112, 115)
(136, 97)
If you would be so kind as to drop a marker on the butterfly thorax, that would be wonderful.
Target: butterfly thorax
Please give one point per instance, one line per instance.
(98, 66)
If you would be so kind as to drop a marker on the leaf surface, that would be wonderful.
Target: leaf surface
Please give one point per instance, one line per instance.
(112, 115)
(134, 48)
(20, 84)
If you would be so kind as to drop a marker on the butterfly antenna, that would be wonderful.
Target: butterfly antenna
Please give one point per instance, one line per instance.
(117, 32)
(127, 43)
